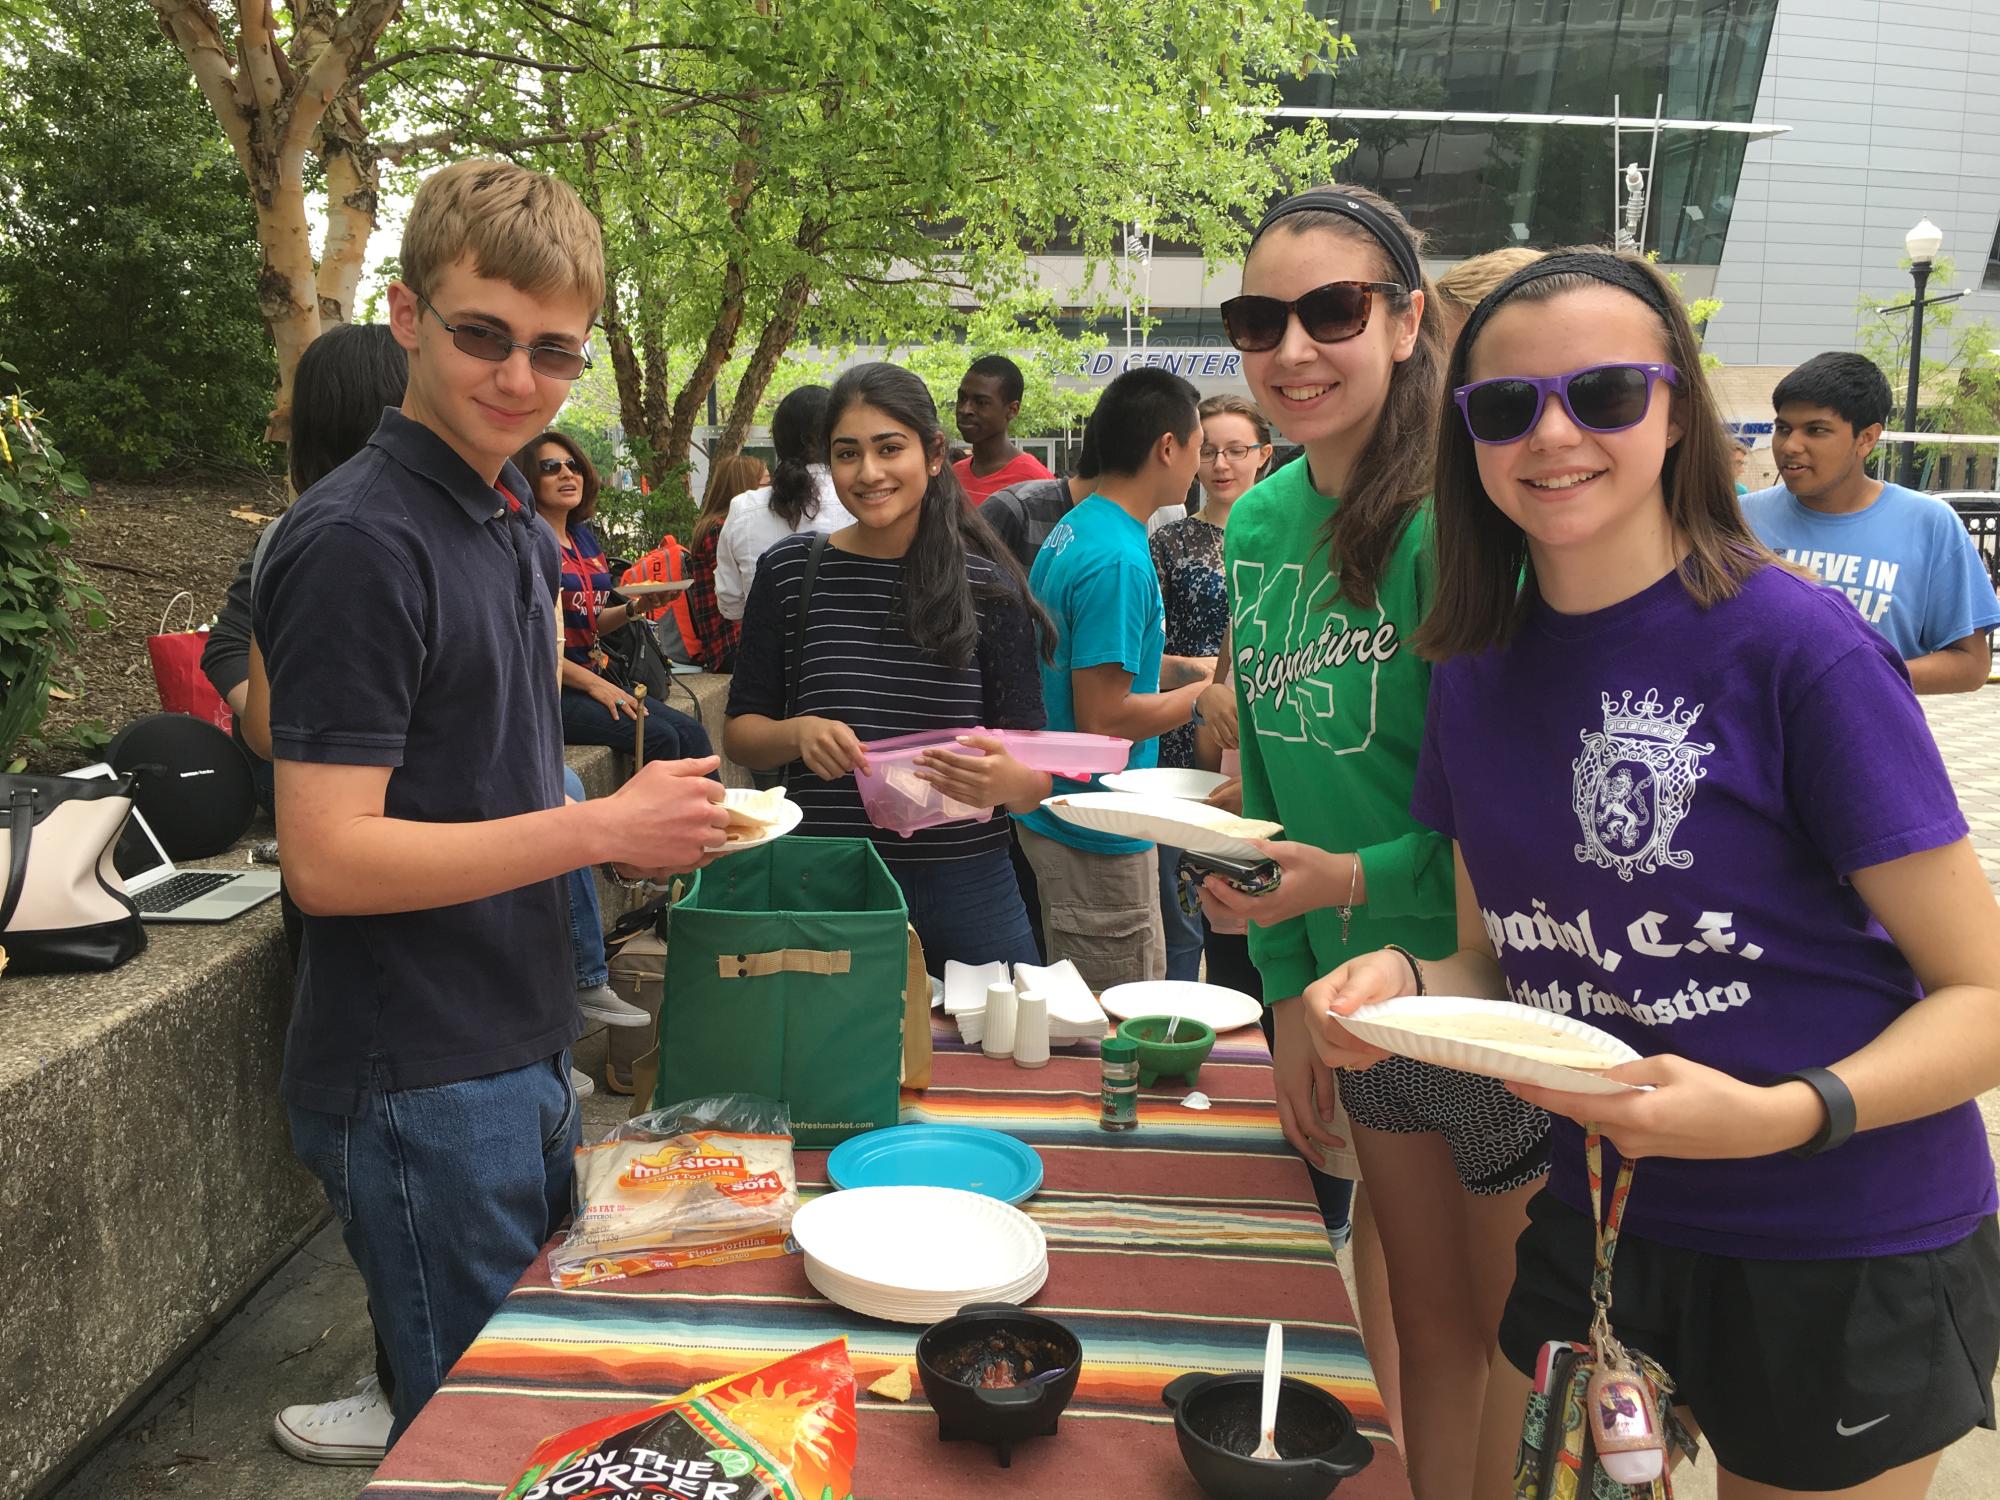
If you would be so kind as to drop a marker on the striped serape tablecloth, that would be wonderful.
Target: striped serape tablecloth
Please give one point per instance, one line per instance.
(1170, 1249)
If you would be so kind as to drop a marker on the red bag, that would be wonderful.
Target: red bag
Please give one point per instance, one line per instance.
(184, 689)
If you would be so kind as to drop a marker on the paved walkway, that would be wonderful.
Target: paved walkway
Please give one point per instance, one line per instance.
(305, 1336)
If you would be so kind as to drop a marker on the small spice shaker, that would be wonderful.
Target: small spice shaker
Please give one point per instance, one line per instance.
(1119, 1108)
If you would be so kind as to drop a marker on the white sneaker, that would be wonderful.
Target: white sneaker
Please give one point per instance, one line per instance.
(353, 1430)
(607, 1007)
(580, 1083)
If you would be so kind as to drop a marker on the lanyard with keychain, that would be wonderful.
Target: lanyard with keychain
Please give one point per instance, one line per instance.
(586, 597)
(1598, 1424)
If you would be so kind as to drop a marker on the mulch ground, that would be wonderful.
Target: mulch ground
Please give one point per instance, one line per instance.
(141, 545)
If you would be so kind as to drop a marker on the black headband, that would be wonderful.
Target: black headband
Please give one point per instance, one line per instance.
(1386, 231)
(1595, 265)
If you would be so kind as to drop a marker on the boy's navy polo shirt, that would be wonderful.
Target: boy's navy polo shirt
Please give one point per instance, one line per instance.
(406, 613)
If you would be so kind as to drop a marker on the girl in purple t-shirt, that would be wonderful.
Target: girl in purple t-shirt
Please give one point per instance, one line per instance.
(1695, 804)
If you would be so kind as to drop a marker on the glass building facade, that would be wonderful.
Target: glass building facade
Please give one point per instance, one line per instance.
(1475, 187)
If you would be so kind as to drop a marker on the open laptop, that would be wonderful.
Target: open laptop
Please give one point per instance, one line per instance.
(165, 893)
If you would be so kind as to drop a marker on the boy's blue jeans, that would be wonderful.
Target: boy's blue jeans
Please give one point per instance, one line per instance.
(445, 1196)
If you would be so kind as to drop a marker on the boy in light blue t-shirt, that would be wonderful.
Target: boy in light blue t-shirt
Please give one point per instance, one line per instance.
(1100, 894)
(1903, 558)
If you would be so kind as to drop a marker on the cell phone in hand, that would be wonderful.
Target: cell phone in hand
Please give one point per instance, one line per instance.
(1256, 877)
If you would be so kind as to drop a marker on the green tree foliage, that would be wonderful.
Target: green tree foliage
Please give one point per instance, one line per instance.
(44, 597)
(1958, 384)
(128, 250)
(855, 172)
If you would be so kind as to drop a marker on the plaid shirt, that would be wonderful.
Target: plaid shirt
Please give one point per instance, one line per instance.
(718, 633)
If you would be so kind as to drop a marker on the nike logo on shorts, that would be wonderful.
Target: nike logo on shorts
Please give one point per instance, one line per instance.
(1845, 1431)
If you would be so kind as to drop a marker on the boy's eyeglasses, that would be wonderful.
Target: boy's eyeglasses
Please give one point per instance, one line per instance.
(489, 344)
(1235, 453)
(1330, 314)
(550, 466)
(1598, 398)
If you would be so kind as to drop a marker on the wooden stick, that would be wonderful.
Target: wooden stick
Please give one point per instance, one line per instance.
(639, 730)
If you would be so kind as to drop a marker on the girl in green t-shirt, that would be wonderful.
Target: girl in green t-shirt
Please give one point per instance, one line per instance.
(1329, 569)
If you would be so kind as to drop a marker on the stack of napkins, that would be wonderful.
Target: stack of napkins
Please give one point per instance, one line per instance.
(1074, 1014)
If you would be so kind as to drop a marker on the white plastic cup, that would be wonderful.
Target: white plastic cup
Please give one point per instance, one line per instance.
(1031, 1032)
(997, 1037)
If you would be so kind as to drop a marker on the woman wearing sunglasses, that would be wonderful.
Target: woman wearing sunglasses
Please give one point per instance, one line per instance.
(1696, 805)
(595, 710)
(1330, 572)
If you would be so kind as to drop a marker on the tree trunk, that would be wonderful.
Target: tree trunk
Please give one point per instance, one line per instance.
(353, 189)
(771, 346)
(287, 295)
(675, 452)
(625, 367)
(271, 102)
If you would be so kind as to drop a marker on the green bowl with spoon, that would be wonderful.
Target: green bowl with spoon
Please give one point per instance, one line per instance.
(1159, 1058)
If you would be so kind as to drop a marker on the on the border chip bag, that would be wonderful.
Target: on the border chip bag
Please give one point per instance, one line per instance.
(783, 1431)
(705, 1182)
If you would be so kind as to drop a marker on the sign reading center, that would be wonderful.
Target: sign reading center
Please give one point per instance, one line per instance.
(1191, 364)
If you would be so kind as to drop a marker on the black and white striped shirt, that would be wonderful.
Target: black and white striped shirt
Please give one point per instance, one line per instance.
(863, 670)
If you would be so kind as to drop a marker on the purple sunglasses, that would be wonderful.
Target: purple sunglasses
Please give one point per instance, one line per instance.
(1598, 398)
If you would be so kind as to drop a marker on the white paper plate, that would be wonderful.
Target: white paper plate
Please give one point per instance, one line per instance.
(788, 819)
(1379, 1024)
(1157, 820)
(1211, 1004)
(1165, 781)
(917, 1249)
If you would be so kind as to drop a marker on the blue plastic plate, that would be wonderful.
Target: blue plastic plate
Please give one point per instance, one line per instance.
(946, 1156)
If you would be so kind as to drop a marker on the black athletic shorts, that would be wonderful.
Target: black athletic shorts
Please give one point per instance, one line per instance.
(1804, 1374)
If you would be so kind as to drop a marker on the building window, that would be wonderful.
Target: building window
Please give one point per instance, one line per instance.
(1992, 278)
(1477, 187)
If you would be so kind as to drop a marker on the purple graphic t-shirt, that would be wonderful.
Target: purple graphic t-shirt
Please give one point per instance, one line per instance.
(1658, 806)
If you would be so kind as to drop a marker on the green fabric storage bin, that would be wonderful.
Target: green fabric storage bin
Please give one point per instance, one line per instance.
(785, 973)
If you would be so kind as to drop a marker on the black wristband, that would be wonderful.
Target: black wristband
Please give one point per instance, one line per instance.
(1416, 969)
(1835, 1099)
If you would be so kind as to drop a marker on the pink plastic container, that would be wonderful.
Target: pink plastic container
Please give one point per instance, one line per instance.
(897, 800)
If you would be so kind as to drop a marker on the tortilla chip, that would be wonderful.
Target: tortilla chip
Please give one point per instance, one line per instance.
(895, 1386)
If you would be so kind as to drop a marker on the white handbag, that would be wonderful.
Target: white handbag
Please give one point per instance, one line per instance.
(65, 905)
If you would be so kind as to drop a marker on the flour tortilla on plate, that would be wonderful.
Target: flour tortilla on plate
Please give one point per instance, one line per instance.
(754, 814)
(1521, 1036)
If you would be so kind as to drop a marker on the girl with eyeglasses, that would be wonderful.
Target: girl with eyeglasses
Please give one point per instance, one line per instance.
(1695, 805)
(595, 710)
(1330, 573)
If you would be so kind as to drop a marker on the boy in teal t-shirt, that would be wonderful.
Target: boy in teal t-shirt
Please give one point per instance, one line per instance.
(1100, 894)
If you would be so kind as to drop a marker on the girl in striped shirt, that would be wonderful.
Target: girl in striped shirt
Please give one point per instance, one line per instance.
(918, 620)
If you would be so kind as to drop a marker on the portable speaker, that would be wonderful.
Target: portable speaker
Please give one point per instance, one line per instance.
(193, 784)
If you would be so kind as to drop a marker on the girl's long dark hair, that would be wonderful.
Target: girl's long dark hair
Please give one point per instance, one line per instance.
(939, 603)
(1393, 472)
(798, 434)
(1486, 577)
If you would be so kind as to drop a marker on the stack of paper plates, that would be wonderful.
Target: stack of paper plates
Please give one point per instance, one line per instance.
(919, 1254)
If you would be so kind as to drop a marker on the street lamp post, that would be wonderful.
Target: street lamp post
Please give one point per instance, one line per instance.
(1922, 244)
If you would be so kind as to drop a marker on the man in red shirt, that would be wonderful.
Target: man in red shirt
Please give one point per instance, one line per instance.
(989, 398)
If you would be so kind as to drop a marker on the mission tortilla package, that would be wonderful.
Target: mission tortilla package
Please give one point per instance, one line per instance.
(705, 1182)
(783, 1431)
